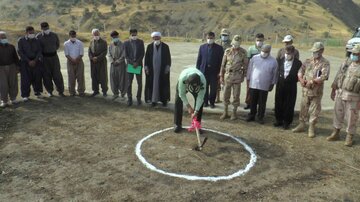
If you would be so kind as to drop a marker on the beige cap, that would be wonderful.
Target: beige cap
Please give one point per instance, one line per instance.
(236, 40)
(317, 46)
(287, 38)
(356, 49)
(225, 32)
(266, 48)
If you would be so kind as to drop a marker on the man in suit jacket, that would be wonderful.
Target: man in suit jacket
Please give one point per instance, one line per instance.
(134, 54)
(286, 88)
(157, 70)
(209, 63)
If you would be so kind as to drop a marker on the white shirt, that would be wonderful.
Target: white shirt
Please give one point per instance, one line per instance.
(73, 49)
(287, 67)
(262, 72)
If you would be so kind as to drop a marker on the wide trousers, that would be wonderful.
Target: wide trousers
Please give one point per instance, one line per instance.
(52, 72)
(30, 76)
(76, 73)
(8, 82)
(99, 76)
(258, 103)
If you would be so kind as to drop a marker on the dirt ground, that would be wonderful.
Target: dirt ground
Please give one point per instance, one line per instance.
(83, 149)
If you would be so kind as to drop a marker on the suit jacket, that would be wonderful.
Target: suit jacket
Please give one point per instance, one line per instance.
(129, 52)
(292, 77)
(164, 87)
(215, 59)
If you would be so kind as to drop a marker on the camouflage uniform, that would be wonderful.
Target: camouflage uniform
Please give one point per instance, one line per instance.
(312, 93)
(225, 44)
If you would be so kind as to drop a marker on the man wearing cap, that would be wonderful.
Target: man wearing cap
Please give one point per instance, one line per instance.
(209, 63)
(286, 88)
(225, 42)
(134, 54)
(312, 76)
(233, 70)
(253, 50)
(9, 67)
(288, 40)
(346, 93)
(262, 76)
(74, 51)
(98, 63)
(193, 81)
(30, 53)
(49, 42)
(118, 75)
(157, 70)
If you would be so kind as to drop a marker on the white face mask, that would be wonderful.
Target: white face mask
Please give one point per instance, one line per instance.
(31, 36)
(47, 32)
(316, 54)
(210, 41)
(224, 38)
(157, 42)
(73, 39)
(264, 55)
(133, 37)
(236, 45)
(288, 57)
(96, 37)
(259, 43)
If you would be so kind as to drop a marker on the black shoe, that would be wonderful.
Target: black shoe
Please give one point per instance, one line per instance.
(153, 104)
(139, 102)
(177, 129)
(80, 94)
(129, 102)
(105, 94)
(62, 95)
(261, 121)
(250, 119)
(278, 124)
(50, 94)
(206, 104)
(37, 94)
(164, 104)
(94, 94)
(247, 107)
(212, 106)
(286, 126)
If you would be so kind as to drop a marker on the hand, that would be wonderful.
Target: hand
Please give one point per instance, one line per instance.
(146, 71)
(271, 87)
(193, 115)
(303, 82)
(190, 109)
(332, 95)
(94, 59)
(32, 63)
(309, 84)
(135, 64)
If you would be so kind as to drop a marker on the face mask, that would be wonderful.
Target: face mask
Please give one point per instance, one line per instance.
(288, 57)
(96, 38)
(73, 39)
(236, 45)
(316, 54)
(157, 42)
(224, 38)
(115, 40)
(354, 58)
(210, 41)
(4, 41)
(47, 31)
(259, 43)
(31, 36)
(133, 37)
(263, 54)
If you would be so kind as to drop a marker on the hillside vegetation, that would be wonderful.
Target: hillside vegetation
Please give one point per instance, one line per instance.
(188, 18)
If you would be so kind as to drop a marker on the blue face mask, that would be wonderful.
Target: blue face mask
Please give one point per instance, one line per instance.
(224, 38)
(4, 41)
(354, 58)
(115, 40)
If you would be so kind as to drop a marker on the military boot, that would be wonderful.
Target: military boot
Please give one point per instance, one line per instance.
(311, 133)
(349, 140)
(299, 128)
(234, 115)
(335, 135)
(225, 113)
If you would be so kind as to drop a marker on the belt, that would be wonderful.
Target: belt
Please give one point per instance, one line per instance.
(49, 54)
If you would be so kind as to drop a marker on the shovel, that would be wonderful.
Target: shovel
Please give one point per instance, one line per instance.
(195, 125)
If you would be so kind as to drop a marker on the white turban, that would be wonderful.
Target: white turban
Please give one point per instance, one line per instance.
(2, 33)
(94, 30)
(154, 34)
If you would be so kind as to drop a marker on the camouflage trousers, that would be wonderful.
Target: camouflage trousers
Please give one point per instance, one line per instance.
(346, 111)
(235, 88)
(310, 109)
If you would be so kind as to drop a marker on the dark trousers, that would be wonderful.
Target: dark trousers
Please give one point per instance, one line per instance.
(30, 76)
(258, 102)
(99, 76)
(139, 83)
(51, 72)
(285, 99)
(211, 88)
(179, 109)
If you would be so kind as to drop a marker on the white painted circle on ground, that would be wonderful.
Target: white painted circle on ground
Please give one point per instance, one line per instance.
(194, 177)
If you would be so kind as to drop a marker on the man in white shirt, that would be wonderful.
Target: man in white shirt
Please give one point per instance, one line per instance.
(262, 75)
(74, 51)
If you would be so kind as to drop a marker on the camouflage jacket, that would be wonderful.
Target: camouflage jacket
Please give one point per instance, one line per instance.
(234, 65)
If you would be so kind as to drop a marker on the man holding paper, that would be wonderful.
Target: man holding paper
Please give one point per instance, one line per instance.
(134, 54)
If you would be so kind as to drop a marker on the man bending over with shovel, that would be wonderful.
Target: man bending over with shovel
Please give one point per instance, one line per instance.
(193, 81)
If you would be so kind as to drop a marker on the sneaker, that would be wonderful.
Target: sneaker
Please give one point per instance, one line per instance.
(3, 104)
(25, 99)
(50, 94)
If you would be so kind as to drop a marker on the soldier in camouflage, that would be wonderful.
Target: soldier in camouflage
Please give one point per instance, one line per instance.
(312, 75)
(346, 93)
(232, 73)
